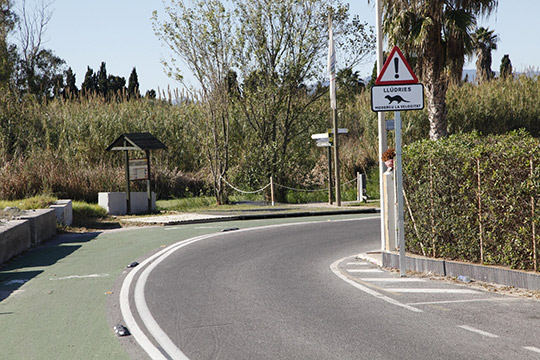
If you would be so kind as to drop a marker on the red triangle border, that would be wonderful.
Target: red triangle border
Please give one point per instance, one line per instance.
(387, 63)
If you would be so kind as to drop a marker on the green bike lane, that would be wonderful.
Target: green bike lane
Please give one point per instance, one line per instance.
(55, 299)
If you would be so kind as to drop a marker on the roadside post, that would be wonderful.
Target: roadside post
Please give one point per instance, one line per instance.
(397, 89)
(327, 140)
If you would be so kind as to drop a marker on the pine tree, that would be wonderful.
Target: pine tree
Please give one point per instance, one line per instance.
(103, 81)
(117, 87)
(89, 85)
(133, 85)
(70, 90)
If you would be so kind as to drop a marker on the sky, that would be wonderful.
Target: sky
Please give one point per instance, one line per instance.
(85, 33)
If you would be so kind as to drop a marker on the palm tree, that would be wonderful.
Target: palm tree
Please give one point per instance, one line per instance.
(433, 32)
(484, 42)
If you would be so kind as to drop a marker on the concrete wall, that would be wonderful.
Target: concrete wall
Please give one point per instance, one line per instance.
(42, 224)
(34, 227)
(14, 238)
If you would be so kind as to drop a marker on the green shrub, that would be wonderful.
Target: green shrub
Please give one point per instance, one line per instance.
(471, 198)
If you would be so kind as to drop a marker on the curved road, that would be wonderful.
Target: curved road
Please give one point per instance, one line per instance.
(269, 293)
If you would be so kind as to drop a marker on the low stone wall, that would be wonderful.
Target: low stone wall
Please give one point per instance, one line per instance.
(496, 275)
(42, 224)
(32, 228)
(14, 238)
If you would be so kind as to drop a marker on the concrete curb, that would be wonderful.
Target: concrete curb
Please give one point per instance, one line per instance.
(491, 274)
(257, 216)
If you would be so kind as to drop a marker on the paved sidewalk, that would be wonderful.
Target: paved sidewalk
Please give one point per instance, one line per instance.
(263, 211)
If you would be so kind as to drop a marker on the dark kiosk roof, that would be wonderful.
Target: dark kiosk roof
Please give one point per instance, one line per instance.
(136, 141)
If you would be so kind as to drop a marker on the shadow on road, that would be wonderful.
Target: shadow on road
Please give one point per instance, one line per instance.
(12, 273)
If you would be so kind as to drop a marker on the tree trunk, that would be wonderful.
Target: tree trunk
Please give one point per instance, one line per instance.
(436, 82)
(436, 106)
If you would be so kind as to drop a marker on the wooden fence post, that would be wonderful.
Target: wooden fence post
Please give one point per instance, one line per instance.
(272, 190)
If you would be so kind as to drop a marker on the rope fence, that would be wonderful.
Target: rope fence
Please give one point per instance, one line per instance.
(243, 191)
(361, 181)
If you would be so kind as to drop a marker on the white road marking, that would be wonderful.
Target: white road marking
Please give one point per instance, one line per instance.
(483, 333)
(404, 279)
(357, 263)
(335, 270)
(432, 291)
(80, 277)
(460, 301)
(364, 270)
(532, 348)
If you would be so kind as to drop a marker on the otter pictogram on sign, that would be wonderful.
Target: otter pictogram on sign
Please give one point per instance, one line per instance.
(396, 70)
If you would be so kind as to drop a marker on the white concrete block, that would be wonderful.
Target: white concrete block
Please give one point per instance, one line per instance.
(64, 211)
(115, 202)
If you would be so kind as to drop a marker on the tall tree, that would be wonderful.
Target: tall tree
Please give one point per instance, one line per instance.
(459, 25)
(505, 69)
(70, 90)
(7, 52)
(102, 80)
(202, 36)
(37, 67)
(420, 28)
(116, 87)
(133, 85)
(89, 86)
(275, 47)
(485, 41)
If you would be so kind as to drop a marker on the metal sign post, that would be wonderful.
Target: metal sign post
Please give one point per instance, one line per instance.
(327, 140)
(400, 236)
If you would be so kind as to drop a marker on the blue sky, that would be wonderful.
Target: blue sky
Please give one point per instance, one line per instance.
(119, 32)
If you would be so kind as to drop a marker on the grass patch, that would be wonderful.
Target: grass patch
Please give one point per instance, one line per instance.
(35, 202)
(187, 204)
(92, 216)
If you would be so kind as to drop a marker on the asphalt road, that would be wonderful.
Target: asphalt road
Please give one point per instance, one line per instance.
(295, 292)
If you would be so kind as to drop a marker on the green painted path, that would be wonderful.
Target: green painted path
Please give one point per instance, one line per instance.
(54, 298)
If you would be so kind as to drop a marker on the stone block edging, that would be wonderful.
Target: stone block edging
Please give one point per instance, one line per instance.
(496, 275)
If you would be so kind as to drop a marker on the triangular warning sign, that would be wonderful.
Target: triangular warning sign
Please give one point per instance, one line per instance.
(396, 70)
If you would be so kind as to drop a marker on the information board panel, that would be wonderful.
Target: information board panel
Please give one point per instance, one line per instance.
(138, 169)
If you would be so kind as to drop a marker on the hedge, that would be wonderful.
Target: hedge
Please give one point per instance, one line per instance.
(474, 198)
